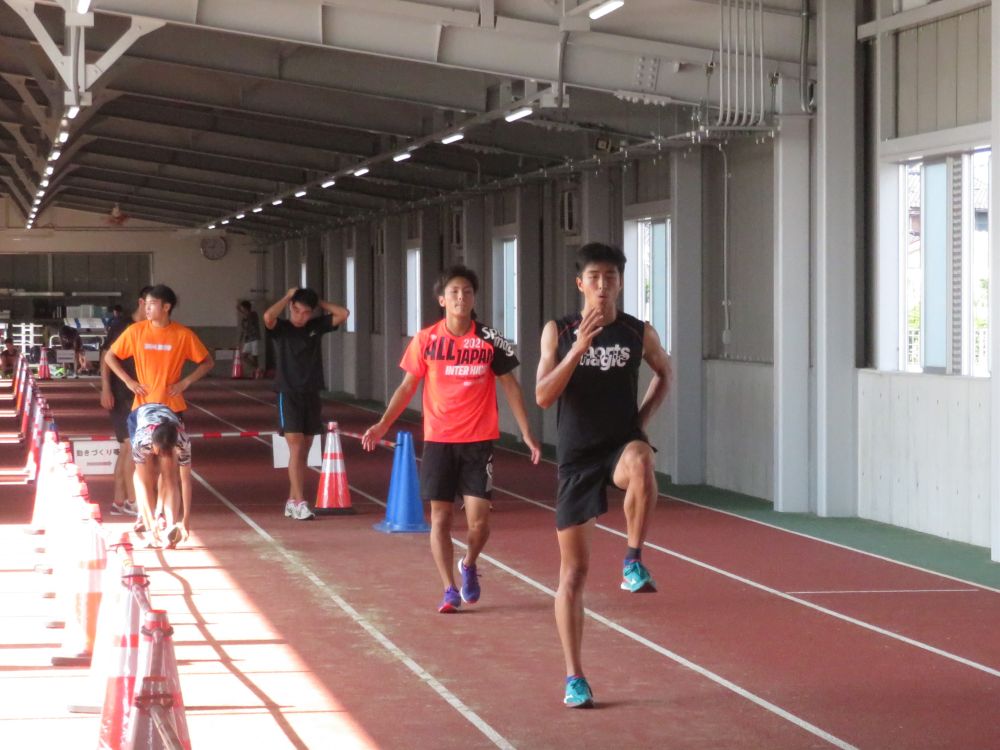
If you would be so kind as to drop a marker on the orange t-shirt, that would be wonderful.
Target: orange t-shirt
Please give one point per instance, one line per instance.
(459, 372)
(160, 354)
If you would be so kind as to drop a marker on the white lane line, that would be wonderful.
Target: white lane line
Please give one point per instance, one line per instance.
(802, 534)
(453, 700)
(889, 591)
(775, 527)
(787, 597)
(775, 592)
(677, 658)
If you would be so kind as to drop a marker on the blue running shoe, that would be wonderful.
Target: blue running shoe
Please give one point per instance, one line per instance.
(578, 694)
(451, 602)
(636, 577)
(470, 582)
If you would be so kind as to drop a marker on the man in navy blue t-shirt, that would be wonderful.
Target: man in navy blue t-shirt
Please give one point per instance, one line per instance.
(298, 380)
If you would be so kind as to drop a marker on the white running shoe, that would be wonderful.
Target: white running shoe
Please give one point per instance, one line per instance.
(303, 512)
(290, 508)
(127, 508)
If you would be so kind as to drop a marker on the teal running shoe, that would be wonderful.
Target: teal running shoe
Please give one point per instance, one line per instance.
(636, 577)
(578, 693)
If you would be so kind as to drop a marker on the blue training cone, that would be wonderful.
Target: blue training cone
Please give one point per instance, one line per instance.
(404, 511)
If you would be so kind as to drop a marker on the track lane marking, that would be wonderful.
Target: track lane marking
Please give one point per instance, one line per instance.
(888, 591)
(426, 677)
(769, 589)
(607, 622)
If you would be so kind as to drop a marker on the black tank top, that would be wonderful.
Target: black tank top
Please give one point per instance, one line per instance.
(598, 412)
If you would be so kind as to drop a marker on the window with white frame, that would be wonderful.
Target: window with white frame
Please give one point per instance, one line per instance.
(505, 287)
(944, 278)
(647, 273)
(349, 292)
(412, 291)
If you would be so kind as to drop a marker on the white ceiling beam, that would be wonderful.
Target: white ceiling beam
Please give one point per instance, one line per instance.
(443, 36)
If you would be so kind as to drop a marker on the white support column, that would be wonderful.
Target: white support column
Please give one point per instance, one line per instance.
(333, 346)
(994, 303)
(687, 391)
(791, 310)
(595, 199)
(474, 234)
(363, 322)
(529, 293)
(392, 296)
(834, 265)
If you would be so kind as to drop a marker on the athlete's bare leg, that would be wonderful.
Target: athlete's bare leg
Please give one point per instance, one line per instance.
(574, 552)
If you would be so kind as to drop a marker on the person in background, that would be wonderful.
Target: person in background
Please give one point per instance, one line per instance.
(8, 357)
(69, 338)
(161, 347)
(299, 379)
(248, 341)
(117, 399)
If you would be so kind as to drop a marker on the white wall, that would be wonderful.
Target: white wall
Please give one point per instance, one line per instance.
(739, 419)
(207, 290)
(923, 453)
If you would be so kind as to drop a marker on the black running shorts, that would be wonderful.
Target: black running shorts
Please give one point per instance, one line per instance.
(449, 470)
(300, 412)
(583, 489)
(123, 399)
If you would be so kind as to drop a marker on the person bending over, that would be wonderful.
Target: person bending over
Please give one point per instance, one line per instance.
(160, 447)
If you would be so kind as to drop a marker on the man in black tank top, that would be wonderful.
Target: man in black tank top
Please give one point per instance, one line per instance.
(590, 366)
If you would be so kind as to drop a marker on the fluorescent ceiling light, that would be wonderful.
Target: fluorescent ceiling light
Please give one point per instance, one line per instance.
(604, 8)
(40, 193)
(361, 172)
(211, 226)
(276, 202)
(55, 155)
(44, 183)
(72, 112)
(402, 157)
(225, 221)
(64, 136)
(240, 216)
(82, 6)
(50, 170)
(300, 193)
(453, 138)
(518, 114)
(258, 210)
(329, 183)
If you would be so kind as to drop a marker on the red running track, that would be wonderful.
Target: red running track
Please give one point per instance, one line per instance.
(758, 637)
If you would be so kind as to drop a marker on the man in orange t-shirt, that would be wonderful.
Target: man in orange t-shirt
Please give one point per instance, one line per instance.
(160, 347)
(459, 361)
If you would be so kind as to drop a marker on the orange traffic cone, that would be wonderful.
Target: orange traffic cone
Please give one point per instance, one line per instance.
(44, 373)
(111, 630)
(333, 497)
(237, 365)
(159, 690)
(84, 594)
(122, 662)
(53, 458)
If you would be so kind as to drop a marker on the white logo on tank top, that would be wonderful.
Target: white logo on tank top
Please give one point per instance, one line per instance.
(606, 357)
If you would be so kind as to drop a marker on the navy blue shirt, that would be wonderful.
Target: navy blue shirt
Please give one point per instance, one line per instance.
(299, 365)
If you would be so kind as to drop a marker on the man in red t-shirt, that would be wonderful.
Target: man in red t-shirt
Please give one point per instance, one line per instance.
(459, 359)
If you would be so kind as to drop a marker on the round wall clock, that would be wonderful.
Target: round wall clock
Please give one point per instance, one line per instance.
(213, 248)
